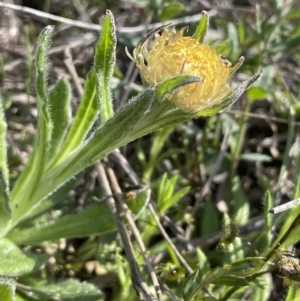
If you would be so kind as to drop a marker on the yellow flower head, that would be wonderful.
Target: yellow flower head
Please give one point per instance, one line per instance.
(173, 54)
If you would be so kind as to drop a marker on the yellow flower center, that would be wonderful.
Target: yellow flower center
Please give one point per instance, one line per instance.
(171, 55)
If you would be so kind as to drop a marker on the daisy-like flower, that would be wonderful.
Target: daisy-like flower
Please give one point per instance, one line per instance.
(173, 54)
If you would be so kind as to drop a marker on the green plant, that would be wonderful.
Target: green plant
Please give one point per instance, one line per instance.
(64, 149)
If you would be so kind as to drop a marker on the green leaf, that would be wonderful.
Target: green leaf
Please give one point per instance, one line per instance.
(42, 69)
(256, 157)
(192, 286)
(241, 205)
(242, 29)
(140, 201)
(60, 102)
(262, 288)
(67, 290)
(203, 263)
(166, 196)
(157, 144)
(293, 14)
(170, 11)
(104, 61)
(21, 196)
(288, 44)
(93, 220)
(173, 200)
(170, 85)
(233, 37)
(256, 93)
(293, 294)
(247, 266)
(14, 262)
(231, 280)
(84, 119)
(58, 196)
(7, 289)
(210, 219)
(5, 212)
(201, 29)
(263, 242)
(3, 144)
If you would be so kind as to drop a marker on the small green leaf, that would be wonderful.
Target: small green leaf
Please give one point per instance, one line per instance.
(170, 85)
(242, 29)
(293, 293)
(140, 201)
(157, 144)
(241, 206)
(60, 102)
(42, 69)
(293, 14)
(230, 280)
(233, 37)
(247, 266)
(263, 242)
(84, 119)
(262, 288)
(190, 285)
(14, 262)
(210, 219)
(256, 157)
(166, 196)
(104, 61)
(173, 200)
(201, 30)
(170, 11)
(7, 289)
(203, 263)
(67, 290)
(3, 144)
(93, 220)
(5, 211)
(256, 93)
